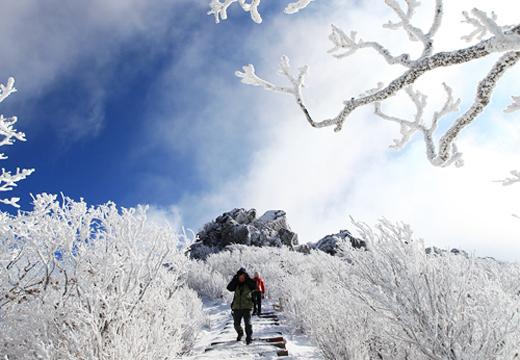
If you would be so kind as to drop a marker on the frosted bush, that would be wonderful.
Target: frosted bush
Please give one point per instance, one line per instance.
(207, 282)
(436, 306)
(96, 283)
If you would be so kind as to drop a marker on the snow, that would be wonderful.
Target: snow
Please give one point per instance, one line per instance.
(219, 329)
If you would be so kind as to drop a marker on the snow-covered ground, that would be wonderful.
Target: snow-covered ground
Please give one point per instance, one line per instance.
(219, 331)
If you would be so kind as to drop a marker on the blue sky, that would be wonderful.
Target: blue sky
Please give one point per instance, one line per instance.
(137, 103)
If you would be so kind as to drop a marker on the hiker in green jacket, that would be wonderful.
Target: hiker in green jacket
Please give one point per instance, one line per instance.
(242, 304)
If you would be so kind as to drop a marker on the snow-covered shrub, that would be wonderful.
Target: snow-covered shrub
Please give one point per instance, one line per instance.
(207, 282)
(435, 306)
(93, 283)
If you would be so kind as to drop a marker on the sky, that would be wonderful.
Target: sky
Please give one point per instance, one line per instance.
(136, 102)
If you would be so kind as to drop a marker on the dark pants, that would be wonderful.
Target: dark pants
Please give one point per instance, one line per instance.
(257, 302)
(237, 318)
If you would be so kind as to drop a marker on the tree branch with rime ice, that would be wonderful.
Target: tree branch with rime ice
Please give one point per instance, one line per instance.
(408, 128)
(219, 9)
(500, 40)
(512, 180)
(10, 135)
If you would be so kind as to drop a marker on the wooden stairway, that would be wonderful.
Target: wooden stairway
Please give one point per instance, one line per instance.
(268, 340)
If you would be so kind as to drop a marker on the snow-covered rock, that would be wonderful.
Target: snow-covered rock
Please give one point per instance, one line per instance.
(331, 243)
(239, 226)
(440, 252)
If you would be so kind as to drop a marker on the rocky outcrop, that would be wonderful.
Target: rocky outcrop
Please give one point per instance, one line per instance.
(441, 252)
(243, 227)
(331, 243)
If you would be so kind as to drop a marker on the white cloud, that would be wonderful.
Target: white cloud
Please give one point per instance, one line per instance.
(320, 178)
(46, 43)
(161, 216)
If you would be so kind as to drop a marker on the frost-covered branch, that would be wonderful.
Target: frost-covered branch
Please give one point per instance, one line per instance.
(7, 181)
(348, 43)
(483, 24)
(512, 180)
(296, 6)
(514, 106)
(220, 9)
(8, 89)
(408, 128)
(502, 40)
(298, 82)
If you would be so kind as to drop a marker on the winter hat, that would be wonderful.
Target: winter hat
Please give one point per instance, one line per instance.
(241, 271)
(257, 274)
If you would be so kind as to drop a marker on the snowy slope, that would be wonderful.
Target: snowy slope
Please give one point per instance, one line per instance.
(218, 339)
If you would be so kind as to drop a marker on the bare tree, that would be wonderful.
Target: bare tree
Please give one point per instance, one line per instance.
(8, 180)
(491, 39)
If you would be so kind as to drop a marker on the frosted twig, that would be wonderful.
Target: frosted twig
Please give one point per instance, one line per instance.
(249, 77)
(8, 89)
(514, 106)
(13, 201)
(483, 24)
(10, 180)
(9, 136)
(511, 181)
(220, 9)
(296, 6)
(408, 128)
(348, 43)
(6, 130)
(413, 32)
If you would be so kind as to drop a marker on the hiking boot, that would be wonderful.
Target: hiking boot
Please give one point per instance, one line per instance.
(249, 340)
(239, 337)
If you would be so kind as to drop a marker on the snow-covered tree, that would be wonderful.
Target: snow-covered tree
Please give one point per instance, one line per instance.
(489, 37)
(10, 135)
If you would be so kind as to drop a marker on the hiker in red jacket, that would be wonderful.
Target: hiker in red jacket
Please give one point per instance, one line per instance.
(257, 294)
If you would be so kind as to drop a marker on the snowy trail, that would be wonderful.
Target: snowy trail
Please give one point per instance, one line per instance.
(270, 340)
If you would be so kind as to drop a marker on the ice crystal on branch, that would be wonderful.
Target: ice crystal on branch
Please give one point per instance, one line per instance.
(441, 148)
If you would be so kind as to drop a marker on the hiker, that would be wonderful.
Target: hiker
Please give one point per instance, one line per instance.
(242, 303)
(258, 293)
